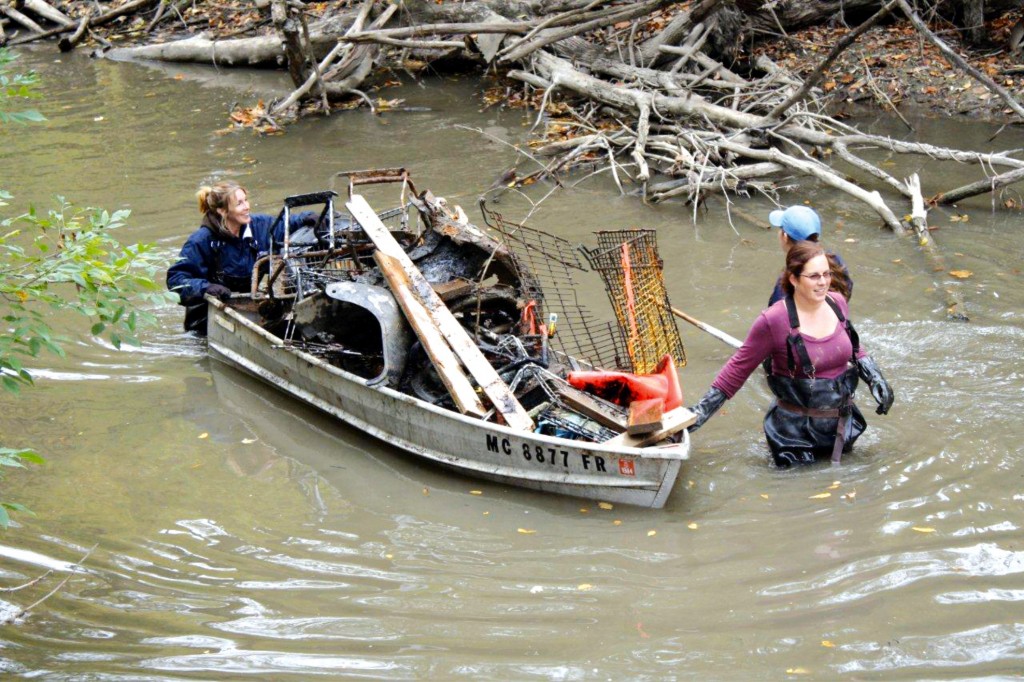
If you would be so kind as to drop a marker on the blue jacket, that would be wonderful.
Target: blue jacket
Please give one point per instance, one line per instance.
(209, 258)
(778, 294)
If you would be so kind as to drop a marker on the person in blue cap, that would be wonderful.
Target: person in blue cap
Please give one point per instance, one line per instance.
(801, 223)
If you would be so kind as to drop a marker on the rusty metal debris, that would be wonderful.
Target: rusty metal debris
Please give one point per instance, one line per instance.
(631, 268)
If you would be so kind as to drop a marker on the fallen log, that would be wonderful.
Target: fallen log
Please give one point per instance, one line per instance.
(19, 18)
(67, 43)
(43, 9)
(985, 186)
(104, 18)
(262, 51)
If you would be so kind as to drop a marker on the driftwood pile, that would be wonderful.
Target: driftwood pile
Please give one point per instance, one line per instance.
(660, 94)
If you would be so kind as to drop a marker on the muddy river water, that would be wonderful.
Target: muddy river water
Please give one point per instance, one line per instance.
(233, 533)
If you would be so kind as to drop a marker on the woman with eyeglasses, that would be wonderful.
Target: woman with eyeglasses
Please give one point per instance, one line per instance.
(816, 361)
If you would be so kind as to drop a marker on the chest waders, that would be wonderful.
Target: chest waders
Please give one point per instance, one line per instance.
(812, 418)
(195, 314)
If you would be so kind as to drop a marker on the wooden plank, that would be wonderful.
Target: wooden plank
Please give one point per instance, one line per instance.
(673, 421)
(645, 416)
(601, 411)
(445, 362)
(453, 289)
(455, 334)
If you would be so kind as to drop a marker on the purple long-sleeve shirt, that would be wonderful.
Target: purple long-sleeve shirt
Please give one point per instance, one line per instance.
(767, 338)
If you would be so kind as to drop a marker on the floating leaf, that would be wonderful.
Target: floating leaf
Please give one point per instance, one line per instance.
(605, 505)
(476, 492)
(426, 491)
(585, 587)
(796, 671)
(961, 274)
(764, 496)
(584, 510)
(204, 434)
(692, 526)
(248, 441)
(526, 531)
(617, 522)
(827, 644)
(850, 495)
(820, 496)
(923, 529)
(835, 484)
(651, 533)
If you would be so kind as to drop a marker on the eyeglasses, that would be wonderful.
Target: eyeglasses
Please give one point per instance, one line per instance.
(818, 276)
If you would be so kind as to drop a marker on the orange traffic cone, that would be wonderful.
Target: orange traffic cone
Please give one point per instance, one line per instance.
(622, 388)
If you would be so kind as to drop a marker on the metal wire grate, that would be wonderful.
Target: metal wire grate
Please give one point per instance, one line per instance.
(631, 268)
(546, 266)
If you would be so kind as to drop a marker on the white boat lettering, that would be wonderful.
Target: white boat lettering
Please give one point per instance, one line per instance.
(540, 454)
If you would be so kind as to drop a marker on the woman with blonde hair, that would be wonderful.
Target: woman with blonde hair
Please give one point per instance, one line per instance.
(218, 258)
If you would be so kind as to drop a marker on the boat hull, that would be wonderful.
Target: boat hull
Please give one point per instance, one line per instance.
(636, 476)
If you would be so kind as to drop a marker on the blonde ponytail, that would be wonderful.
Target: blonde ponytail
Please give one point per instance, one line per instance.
(203, 196)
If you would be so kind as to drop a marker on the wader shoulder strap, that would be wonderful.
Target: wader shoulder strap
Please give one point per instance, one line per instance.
(850, 331)
(795, 342)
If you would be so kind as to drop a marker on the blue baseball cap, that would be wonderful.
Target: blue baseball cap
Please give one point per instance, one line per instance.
(798, 222)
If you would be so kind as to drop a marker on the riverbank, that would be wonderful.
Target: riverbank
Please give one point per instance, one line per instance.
(891, 67)
(894, 68)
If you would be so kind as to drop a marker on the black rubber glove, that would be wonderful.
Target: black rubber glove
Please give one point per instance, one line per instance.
(880, 389)
(708, 405)
(218, 291)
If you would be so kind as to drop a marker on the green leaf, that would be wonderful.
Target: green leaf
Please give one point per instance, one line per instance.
(98, 328)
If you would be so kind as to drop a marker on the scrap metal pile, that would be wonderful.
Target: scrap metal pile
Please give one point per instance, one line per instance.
(390, 296)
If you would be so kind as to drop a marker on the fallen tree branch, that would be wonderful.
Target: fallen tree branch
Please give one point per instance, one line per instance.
(972, 189)
(955, 309)
(104, 18)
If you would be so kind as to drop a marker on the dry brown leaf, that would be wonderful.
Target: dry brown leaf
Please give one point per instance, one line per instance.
(961, 274)
(820, 496)
(204, 435)
(923, 529)
(651, 533)
(605, 505)
(692, 526)
(526, 531)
